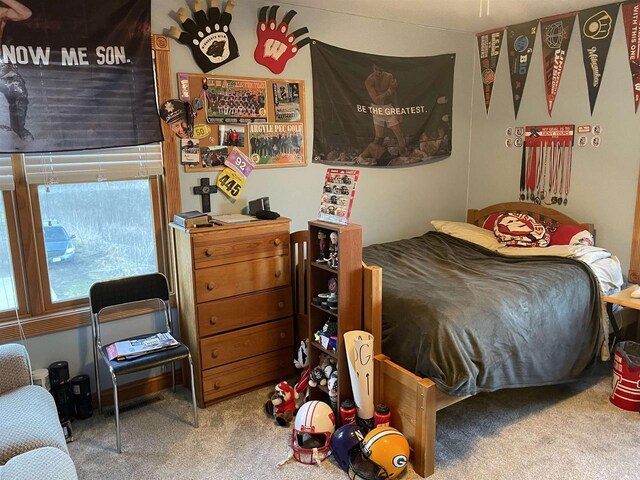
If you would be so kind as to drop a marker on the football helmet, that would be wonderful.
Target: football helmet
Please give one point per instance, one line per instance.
(312, 431)
(345, 439)
(383, 454)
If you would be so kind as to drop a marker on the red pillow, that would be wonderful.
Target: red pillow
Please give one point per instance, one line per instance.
(569, 235)
(490, 221)
(520, 230)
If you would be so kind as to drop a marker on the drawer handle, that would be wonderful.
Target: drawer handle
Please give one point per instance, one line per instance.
(277, 242)
(211, 286)
(213, 320)
(280, 304)
(216, 386)
(208, 252)
(278, 273)
(283, 335)
(215, 354)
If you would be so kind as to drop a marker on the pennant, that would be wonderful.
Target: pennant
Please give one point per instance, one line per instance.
(489, 44)
(631, 18)
(520, 39)
(596, 30)
(555, 33)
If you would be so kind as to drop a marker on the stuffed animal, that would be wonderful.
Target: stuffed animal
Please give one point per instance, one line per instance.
(282, 404)
(320, 375)
(301, 359)
(316, 377)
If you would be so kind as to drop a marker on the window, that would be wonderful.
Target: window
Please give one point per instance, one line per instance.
(7, 283)
(94, 232)
(80, 217)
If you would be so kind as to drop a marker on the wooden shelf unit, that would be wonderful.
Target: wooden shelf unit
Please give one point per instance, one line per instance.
(349, 313)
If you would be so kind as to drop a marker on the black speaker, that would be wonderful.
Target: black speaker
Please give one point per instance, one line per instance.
(259, 204)
(61, 390)
(81, 391)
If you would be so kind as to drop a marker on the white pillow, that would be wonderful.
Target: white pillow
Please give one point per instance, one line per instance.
(471, 233)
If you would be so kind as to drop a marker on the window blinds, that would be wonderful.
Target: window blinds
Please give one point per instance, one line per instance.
(94, 165)
(6, 174)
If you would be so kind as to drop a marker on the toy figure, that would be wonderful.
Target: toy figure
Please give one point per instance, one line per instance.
(322, 245)
(282, 404)
(333, 250)
(332, 385)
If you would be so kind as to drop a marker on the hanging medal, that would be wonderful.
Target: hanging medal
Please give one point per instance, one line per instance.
(548, 164)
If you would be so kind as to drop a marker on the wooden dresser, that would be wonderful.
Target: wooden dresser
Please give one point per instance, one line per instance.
(235, 305)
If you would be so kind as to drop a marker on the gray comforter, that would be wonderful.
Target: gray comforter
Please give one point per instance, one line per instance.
(474, 321)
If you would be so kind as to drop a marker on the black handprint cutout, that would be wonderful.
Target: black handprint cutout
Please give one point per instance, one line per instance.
(207, 35)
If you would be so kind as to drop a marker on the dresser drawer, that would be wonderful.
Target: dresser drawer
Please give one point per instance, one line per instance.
(239, 312)
(248, 342)
(213, 249)
(222, 381)
(214, 283)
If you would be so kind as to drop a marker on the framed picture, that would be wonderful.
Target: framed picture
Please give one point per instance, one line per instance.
(236, 101)
(232, 136)
(276, 144)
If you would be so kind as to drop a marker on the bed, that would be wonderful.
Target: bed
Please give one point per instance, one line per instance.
(465, 302)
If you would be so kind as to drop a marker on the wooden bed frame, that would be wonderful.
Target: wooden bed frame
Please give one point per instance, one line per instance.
(413, 400)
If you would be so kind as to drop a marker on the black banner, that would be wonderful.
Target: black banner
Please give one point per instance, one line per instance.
(520, 39)
(596, 30)
(76, 75)
(380, 111)
(489, 44)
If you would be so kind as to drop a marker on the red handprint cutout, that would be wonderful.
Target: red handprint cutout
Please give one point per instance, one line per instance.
(275, 46)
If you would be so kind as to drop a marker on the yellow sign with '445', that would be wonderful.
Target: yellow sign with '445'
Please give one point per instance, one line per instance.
(231, 183)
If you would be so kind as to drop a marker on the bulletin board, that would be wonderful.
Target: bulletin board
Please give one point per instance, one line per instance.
(263, 117)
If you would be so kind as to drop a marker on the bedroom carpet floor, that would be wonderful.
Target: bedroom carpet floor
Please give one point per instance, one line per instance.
(559, 432)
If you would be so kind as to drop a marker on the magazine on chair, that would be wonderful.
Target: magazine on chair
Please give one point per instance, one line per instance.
(128, 349)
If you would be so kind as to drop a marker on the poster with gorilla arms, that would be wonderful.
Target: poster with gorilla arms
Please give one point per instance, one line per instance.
(263, 117)
(380, 111)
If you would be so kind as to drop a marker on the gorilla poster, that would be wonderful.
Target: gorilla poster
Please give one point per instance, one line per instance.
(76, 75)
(380, 111)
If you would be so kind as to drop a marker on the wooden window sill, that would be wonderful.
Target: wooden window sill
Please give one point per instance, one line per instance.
(65, 320)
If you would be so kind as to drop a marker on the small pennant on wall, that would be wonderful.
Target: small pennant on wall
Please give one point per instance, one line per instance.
(520, 41)
(555, 33)
(489, 44)
(596, 31)
(631, 17)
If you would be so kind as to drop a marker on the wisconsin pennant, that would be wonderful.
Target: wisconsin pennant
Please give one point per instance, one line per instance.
(596, 30)
(555, 33)
(489, 44)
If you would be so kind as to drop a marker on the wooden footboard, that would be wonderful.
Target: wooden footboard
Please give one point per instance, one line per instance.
(413, 400)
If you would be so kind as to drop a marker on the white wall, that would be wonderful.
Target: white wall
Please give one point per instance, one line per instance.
(604, 179)
(426, 192)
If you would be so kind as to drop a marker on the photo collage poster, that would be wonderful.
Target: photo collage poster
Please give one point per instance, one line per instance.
(263, 118)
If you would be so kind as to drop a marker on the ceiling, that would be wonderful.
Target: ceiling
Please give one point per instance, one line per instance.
(463, 15)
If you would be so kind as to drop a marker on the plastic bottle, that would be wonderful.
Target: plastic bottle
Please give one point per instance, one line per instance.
(348, 412)
(382, 416)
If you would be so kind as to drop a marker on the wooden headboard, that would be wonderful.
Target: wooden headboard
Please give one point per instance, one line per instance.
(539, 212)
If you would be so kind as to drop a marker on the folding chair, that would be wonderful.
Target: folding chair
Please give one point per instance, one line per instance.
(124, 292)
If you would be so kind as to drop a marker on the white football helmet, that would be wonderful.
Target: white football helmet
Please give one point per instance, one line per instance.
(311, 435)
